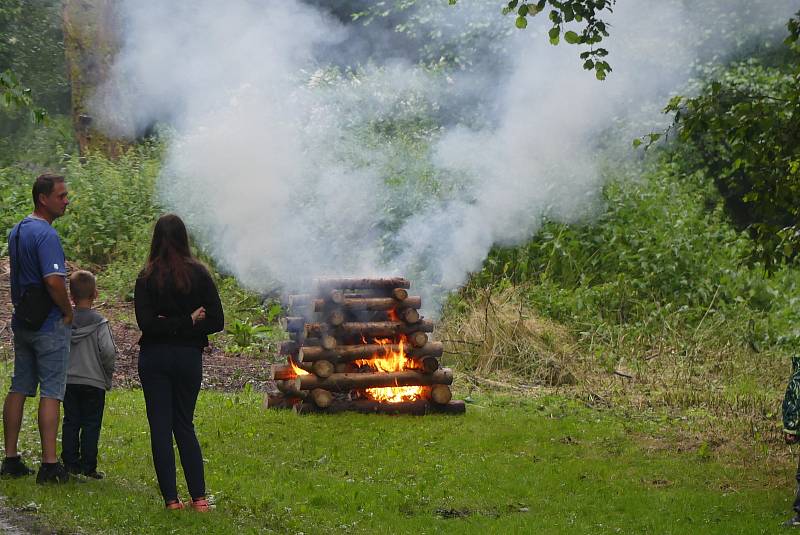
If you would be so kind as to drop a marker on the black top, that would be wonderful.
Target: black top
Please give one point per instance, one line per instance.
(165, 316)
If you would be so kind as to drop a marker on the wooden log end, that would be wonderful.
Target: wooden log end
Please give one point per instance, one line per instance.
(400, 294)
(322, 368)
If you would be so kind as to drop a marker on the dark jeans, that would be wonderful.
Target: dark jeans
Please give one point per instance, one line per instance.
(80, 432)
(171, 377)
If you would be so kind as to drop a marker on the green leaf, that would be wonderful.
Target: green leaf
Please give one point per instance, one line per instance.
(554, 32)
(522, 23)
(523, 10)
(572, 37)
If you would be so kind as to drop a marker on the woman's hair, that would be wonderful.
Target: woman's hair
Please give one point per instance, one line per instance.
(170, 259)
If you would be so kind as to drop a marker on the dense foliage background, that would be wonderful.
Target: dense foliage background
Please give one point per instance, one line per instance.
(694, 246)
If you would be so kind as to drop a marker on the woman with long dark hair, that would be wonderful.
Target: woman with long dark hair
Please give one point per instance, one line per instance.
(177, 307)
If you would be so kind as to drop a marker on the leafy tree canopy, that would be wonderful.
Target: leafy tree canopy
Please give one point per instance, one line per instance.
(744, 128)
(560, 13)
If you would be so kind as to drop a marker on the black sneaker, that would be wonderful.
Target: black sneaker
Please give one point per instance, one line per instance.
(52, 473)
(94, 474)
(14, 467)
(793, 522)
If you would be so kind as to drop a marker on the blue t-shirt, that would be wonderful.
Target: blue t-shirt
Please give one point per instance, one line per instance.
(40, 256)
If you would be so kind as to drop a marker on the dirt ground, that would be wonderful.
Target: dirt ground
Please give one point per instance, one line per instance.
(221, 371)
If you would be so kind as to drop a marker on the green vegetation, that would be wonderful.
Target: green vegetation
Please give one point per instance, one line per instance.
(647, 347)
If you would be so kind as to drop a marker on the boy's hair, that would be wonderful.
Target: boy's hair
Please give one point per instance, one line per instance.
(82, 285)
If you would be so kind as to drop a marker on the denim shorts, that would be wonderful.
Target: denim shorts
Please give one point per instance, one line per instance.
(41, 359)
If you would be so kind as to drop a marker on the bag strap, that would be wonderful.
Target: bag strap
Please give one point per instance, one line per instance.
(17, 262)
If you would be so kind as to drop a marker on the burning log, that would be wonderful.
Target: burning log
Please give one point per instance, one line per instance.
(372, 303)
(336, 318)
(283, 372)
(428, 364)
(417, 339)
(322, 368)
(440, 394)
(323, 284)
(279, 401)
(419, 407)
(410, 315)
(345, 367)
(321, 398)
(290, 347)
(293, 323)
(365, 351)
(343, 382)
(401, 294)
(371, 328)
(326, 341)
(299, 300)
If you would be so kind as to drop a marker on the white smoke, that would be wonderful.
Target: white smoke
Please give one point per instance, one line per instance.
(276, 166)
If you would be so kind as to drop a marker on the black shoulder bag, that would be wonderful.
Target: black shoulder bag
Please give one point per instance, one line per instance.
(35, 302)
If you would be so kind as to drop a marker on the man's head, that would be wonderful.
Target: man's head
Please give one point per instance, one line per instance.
(50, 196)
(82, 287)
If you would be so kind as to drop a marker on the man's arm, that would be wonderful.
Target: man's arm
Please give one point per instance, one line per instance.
(57, 288)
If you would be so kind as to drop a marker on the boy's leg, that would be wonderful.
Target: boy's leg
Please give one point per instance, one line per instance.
(92, 404)
(70, 446)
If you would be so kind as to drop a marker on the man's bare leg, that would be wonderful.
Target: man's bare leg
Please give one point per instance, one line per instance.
(12, 421)
(49, 416)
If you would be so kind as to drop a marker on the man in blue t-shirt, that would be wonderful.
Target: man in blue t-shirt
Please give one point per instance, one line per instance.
(41, 355)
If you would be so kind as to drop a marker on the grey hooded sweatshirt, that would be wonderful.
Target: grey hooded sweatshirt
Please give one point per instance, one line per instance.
(92, 354)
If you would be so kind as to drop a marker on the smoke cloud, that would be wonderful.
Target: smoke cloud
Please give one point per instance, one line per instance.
(303, 146)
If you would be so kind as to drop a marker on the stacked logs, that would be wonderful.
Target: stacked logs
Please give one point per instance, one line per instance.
(341, 337)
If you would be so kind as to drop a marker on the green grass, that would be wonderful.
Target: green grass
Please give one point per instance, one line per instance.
(509, 466)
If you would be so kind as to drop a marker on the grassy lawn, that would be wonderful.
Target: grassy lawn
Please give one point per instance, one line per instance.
(509, 466)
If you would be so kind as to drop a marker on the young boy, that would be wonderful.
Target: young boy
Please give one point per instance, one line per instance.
(91, 365)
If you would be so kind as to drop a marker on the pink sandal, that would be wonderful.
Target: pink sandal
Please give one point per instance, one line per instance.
(174, 506)
(201, 505)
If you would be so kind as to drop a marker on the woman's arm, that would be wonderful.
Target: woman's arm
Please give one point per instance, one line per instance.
(148, 319)
(215, 318)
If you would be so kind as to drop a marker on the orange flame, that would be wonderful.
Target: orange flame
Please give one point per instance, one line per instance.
(297, 369)
(390, 360)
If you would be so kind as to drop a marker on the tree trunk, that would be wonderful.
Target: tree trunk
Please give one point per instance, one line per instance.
(91, 30)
